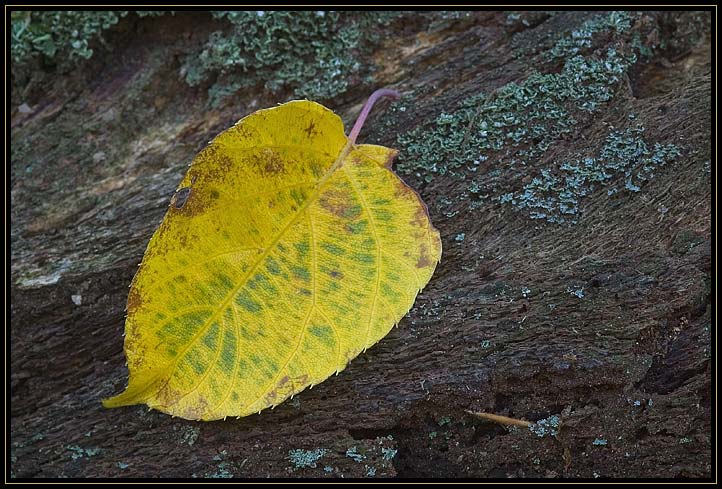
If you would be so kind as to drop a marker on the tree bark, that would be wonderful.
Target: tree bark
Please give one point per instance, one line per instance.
(604, 323)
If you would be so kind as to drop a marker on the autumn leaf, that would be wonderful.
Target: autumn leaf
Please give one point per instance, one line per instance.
(286, 251)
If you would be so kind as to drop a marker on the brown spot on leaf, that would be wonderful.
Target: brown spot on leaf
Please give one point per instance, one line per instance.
(281, 392)
(420, 218)
(339, 204)
(424, 259)
(270, 162)
(242, 132)
(390, 160)
(284, 380)
(403, 192)
(311, 130)
(272, 396)
(195, 410)
(223, 165)
(167, 395)
(134, 300)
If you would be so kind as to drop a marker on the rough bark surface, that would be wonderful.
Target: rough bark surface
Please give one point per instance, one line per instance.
(625, 363)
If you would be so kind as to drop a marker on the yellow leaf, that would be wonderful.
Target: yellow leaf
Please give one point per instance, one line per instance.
(286, 251)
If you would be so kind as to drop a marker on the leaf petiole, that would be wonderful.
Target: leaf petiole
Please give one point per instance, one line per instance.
(382, 92)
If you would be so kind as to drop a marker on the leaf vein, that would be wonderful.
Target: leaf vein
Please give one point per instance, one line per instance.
(365, 207)
(266, 388)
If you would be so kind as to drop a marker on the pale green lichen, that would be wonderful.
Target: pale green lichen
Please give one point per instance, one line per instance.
(79, 452)
(532, 115)
(388, 453)
(547, 426)
(61, 38)
(61, 34)
(306, 458)
(581, 38)
(37, 437)
(353, 454)
(189, 435)
(555, 195)
(576, 291)
(312, 53)
(529, 115)
(517, 124)
(315, 54)
(222, 472)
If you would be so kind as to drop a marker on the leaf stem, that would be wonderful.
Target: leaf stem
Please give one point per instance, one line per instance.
(382, 92)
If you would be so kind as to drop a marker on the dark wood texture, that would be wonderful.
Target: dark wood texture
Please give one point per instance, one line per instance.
(97, 158)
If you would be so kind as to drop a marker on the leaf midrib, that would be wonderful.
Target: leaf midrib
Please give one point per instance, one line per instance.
(320, 186)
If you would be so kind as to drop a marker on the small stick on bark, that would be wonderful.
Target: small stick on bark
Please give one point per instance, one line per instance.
(502, 419)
